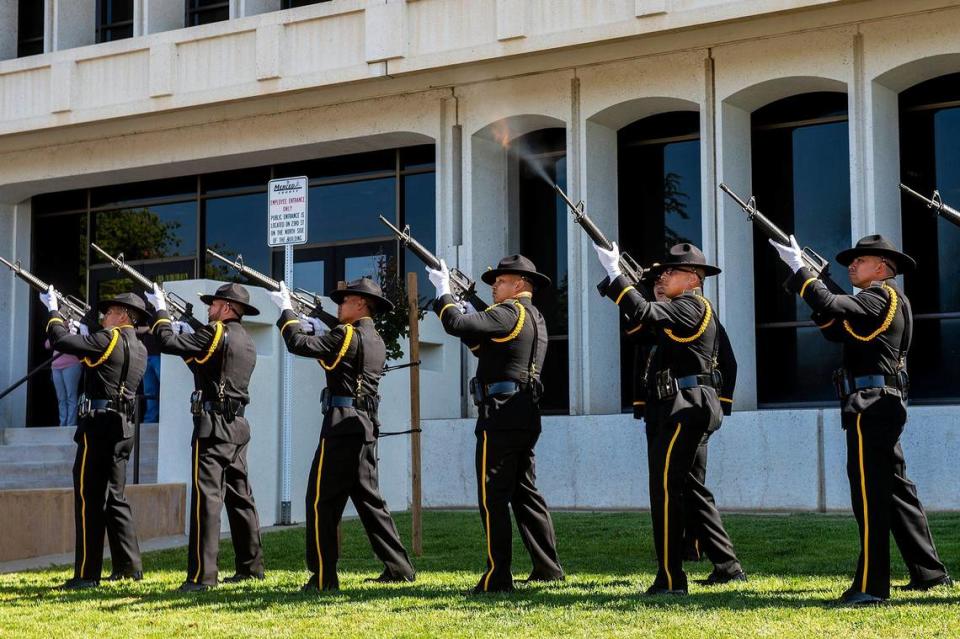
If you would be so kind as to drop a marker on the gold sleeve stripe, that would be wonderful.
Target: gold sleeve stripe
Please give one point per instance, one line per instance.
(162, 320)
(516, 329)
(444, 309)
(52, 320)
(218, 333)
(286, 324)
(622, 293)
(828, 324)
(343, 349)
(106, 353)
(474, 348)
(639, 403)
(703, 325)
(803, 289)
(631, 331)
(891, 312)
(726, 399)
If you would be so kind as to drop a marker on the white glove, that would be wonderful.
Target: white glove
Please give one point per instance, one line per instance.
(156, 298)
(74, 327)
(466, 307)
(84, 329)
(440, 279)
(609, 260)
(791, 255)
(312, 325)
(181, 328)
(282, 297)
(49, 299)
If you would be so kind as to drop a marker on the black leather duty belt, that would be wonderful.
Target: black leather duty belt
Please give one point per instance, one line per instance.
(482, 392)
(668, 386)
(847, 384)
(227, 408)
(87, 406)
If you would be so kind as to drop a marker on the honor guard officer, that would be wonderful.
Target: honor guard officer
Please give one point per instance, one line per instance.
(875, 327)
(682, 408)
(510, 340)
(115, 361)
(221, 357)
(345, 465)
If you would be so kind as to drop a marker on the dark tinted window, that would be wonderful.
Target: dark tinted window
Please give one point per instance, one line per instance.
(114, 20)
(207, 11)
(30, 27)
(801, 178)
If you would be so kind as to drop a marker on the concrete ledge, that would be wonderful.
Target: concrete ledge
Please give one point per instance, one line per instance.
(40, 521)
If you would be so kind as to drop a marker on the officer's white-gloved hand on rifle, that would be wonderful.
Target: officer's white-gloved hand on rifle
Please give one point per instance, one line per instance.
(282, 297)
(440, 278)
(609, 260)
(791, 255)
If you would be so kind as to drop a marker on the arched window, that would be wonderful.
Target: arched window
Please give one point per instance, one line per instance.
(930, 159)
(801, 178)
(542, 224)
(658, 170)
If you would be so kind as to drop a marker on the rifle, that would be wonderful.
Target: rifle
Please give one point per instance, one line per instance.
(628, 266)
(948, 213)
(811, 259)
(302, 303)
(182, 310)
(462, 287)
(72, 308)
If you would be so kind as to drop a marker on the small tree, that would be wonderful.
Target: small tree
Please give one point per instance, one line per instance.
(394, 325)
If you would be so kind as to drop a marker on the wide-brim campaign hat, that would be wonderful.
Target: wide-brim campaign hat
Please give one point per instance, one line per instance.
(517, 265)
(364, 287)
(232, 292)
(685, 255)
(127, 300)
(878, 246)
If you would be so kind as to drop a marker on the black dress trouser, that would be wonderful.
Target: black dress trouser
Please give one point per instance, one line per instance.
(99, 478)
(506, 478)
(346, 468)
(680, 501)
(219, 479)
(885, 501)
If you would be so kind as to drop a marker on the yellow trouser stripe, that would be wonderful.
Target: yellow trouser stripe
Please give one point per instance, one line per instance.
(83, 507)
(803, 289)
(316, 515)
(196, 488)
(666, 510)
(483, 499)
(866, 513)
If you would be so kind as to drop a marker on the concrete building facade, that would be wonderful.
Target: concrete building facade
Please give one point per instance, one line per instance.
(473, 79)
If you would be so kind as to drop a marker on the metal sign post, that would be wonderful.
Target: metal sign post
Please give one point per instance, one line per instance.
(286, 227)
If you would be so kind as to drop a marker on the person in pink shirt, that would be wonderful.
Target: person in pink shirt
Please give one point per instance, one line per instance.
(65, 372)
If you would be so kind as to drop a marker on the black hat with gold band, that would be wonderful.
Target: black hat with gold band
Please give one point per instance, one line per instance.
(878, 246)
(685, 255)
(364, 287)
(235, 294)
(517, 265)
(133, 304)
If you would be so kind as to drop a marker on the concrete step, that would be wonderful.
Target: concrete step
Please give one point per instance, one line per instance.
(38, 453)
(58, 475)
(60, 435)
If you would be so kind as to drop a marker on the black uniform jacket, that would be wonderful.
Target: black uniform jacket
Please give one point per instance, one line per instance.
(352, 356)
(510, 342)
(102, 354)
(874, 326)
(685, 338)
(219, 353)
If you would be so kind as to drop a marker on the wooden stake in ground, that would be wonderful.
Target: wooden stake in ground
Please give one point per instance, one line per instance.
(416, 507)
(340, 285)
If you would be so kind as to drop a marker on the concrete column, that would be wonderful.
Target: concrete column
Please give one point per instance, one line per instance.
(735, 248)
(881, 168)
(74, 24)
(8, 29)
(600, 349)
(14, 312)
(162, 15)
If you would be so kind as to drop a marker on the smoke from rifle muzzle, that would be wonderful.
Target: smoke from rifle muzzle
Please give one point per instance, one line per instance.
(514, 143)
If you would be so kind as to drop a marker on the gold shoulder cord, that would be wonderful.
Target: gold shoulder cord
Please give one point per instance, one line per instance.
(516, 329)
(106, 353)
(343, 349)
(703, 325)
(891, 312)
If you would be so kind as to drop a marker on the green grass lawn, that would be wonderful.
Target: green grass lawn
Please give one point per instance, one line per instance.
(795, 563)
